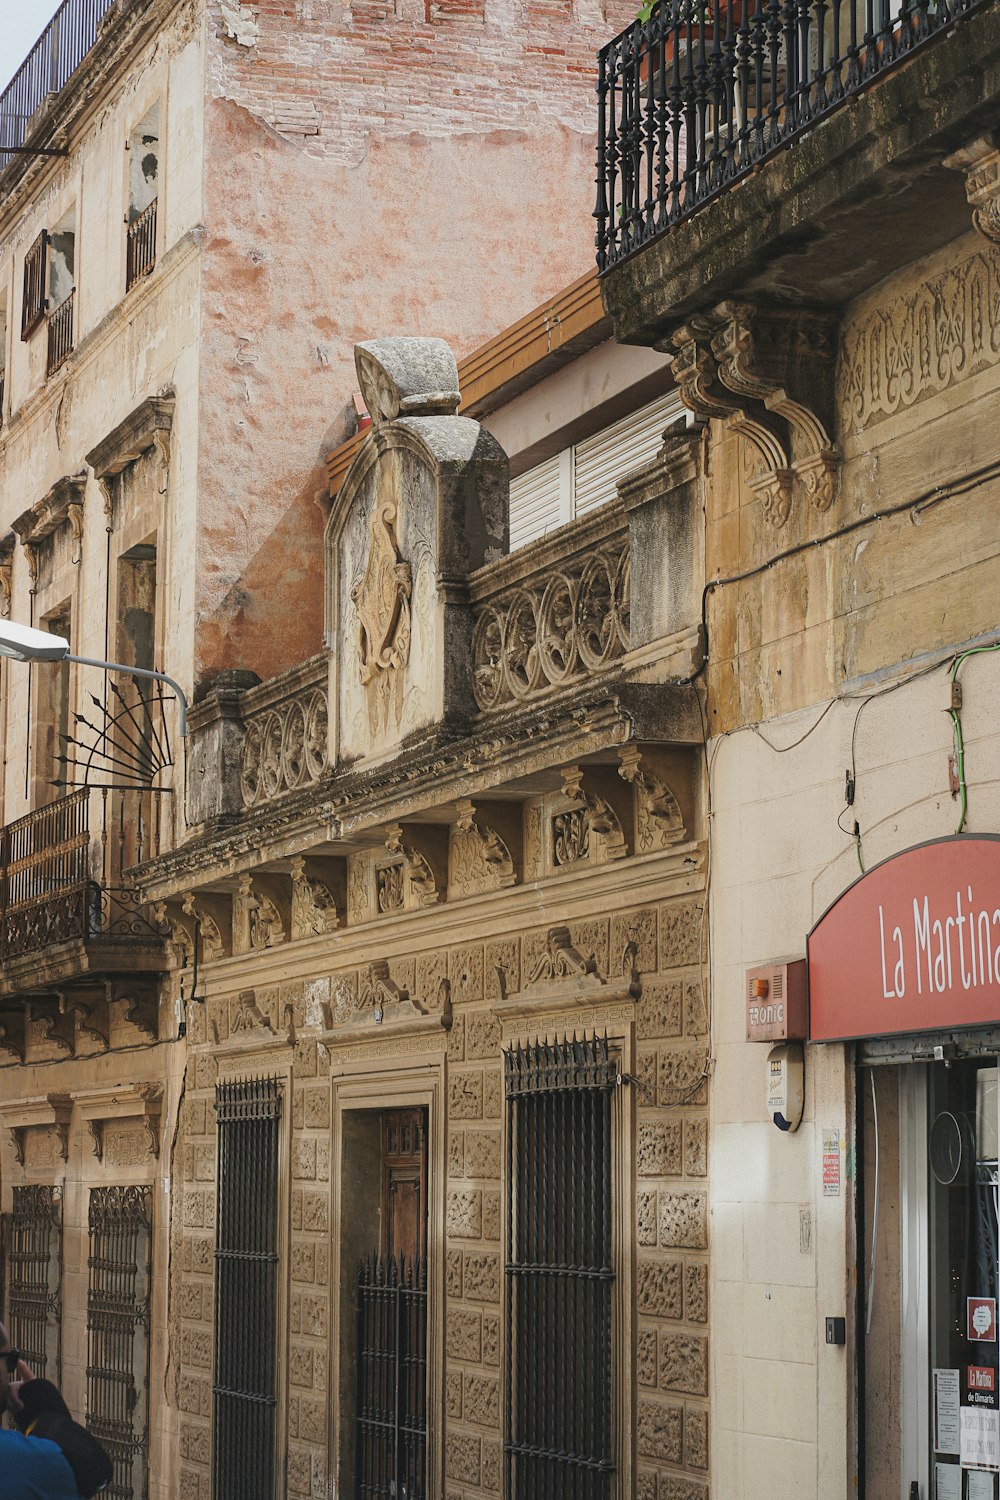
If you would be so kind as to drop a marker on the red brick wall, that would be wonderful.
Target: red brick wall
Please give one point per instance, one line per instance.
(424, 168)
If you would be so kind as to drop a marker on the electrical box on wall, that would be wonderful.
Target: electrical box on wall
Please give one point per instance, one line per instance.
(785, 1085)
(776, 1002)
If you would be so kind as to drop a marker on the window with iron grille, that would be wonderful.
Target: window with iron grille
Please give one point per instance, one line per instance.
(118, 1288)
(246, 1262)
(33, 1256)
(35, 279)
(559, 1270)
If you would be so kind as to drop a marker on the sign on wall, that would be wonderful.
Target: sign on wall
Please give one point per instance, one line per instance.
(914, 945)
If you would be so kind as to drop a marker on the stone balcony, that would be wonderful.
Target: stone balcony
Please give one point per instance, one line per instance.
(468, 698)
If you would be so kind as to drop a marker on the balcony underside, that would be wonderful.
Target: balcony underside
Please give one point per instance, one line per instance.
(848, 203)
(82, 963)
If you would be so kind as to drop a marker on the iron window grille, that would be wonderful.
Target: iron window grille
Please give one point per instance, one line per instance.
(118, 1301)
(33, 301)
(60, 343)
(246, 1262)
(559, 1271)
(392, 1378)
(34, 1255)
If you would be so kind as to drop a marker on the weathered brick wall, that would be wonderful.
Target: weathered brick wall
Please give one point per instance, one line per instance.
(370, 170)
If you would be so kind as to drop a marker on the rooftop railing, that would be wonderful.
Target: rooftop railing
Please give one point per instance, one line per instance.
(49, 65)
(698, 94)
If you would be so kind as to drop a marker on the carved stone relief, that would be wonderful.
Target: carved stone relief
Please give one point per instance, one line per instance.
(658, 819)
(900, 351)
(587, 829)
(256, 920)
(480, 860)
(406, 880)
(314, 909)
(552, 628)
(381, 599)
(980, 161)
(285, 747)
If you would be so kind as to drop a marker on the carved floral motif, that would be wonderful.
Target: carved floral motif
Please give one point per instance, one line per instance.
(256, 920)
(480, 860)
(556, 628)
(314, 910)
(589, 830)
(284, 747)
(658, 819)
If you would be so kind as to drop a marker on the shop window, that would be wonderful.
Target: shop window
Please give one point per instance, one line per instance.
(383, 1314)
(118, 1312)
(34, 1266)
(246, 1289)
(560, 1274)
(144, 173)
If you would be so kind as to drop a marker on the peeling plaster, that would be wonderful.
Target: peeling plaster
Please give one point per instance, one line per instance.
(241, 25)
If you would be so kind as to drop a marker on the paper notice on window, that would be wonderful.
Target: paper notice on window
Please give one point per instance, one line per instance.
(980, 1437)
(979, 1485)
(947, 1482)
(946, 1410)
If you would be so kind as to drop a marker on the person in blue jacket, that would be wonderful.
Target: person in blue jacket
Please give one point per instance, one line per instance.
(32, 1468)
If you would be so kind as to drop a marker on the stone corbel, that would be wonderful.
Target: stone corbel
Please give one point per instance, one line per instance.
(141, 1002)
(480, 858)
(57, 1021)
(209, 916)
(317, 897)
(13, 1030)
(769, 375)
(587, 818)
(416, 874)
(62, 505)
(147, 427)
(92, 1012)
(257, 920)
(980, 162)
(659, 822)
(6, 574)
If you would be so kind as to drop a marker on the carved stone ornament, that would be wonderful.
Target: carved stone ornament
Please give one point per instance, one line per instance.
(589, 831)
(658, 820)
(6, 574)
(141, 1103)
(765, 374)
(207, 928)
(406, 881)
(147, 427)
(13, 1030)
(248, 1017)
(980, 161)
(381, 1000)
(314, 910)
(480, 860)
(63, 505)
(46, 1113)
(381, 600)
(284, 747)
(407, 377)
(257, 922)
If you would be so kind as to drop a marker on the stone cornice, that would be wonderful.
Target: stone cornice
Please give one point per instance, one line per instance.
(48, 514)
(346, 806)
(146, 427)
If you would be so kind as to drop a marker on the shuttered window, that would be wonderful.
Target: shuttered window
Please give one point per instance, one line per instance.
(586, 475)
(33, 301)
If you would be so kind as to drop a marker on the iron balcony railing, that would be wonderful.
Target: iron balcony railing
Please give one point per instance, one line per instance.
(60, 334)
(46, 893)
(694, 97)
(49, 65)
(141, 253)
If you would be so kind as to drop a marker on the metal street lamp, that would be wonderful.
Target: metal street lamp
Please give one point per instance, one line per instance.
(22, 643)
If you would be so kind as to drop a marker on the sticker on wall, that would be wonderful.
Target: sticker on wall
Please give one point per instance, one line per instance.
(981, 1315)
(831, 1163)
(980, 1442)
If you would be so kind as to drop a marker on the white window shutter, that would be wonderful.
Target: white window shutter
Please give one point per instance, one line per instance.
(540, 500)
(605, 458)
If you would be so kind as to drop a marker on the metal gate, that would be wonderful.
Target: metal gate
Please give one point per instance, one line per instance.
(391, 1402)
(34, 1231)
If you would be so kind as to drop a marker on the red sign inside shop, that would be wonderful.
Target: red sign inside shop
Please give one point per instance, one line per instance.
(914, 945)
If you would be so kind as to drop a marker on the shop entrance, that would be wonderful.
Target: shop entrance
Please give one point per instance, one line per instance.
(932, 1386)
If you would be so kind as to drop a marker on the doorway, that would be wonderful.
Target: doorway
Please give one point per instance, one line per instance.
(932, 1383)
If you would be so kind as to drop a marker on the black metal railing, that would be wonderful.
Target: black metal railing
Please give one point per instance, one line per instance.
(49, 65)
(695, 96)
(559, 1270)
(118, 1304)
(391, 1398)
(46, 895)
(141, 246)
(60, 334)
(34, 1231)
(246, 1290)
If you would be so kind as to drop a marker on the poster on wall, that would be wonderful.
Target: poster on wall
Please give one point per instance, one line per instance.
(981, 1318)
(947, 1401)
(978, 1485)
(980, 1438)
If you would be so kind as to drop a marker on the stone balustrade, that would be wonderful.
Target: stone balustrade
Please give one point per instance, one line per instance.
(285, 744)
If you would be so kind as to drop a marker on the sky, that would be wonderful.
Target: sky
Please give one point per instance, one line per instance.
(21, 24)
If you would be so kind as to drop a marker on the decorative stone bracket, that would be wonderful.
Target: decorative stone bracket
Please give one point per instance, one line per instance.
(769, 374)
(62, 505)
(47, 1111)
(980, 161)
(564, 978)
(137, 1101)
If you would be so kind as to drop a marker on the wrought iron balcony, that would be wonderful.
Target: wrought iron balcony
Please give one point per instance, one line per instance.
(141, 246)
(57, 923)
(49, 65)
(694, 98)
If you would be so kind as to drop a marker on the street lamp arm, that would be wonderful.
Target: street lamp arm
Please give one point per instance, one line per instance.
(117, 666)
